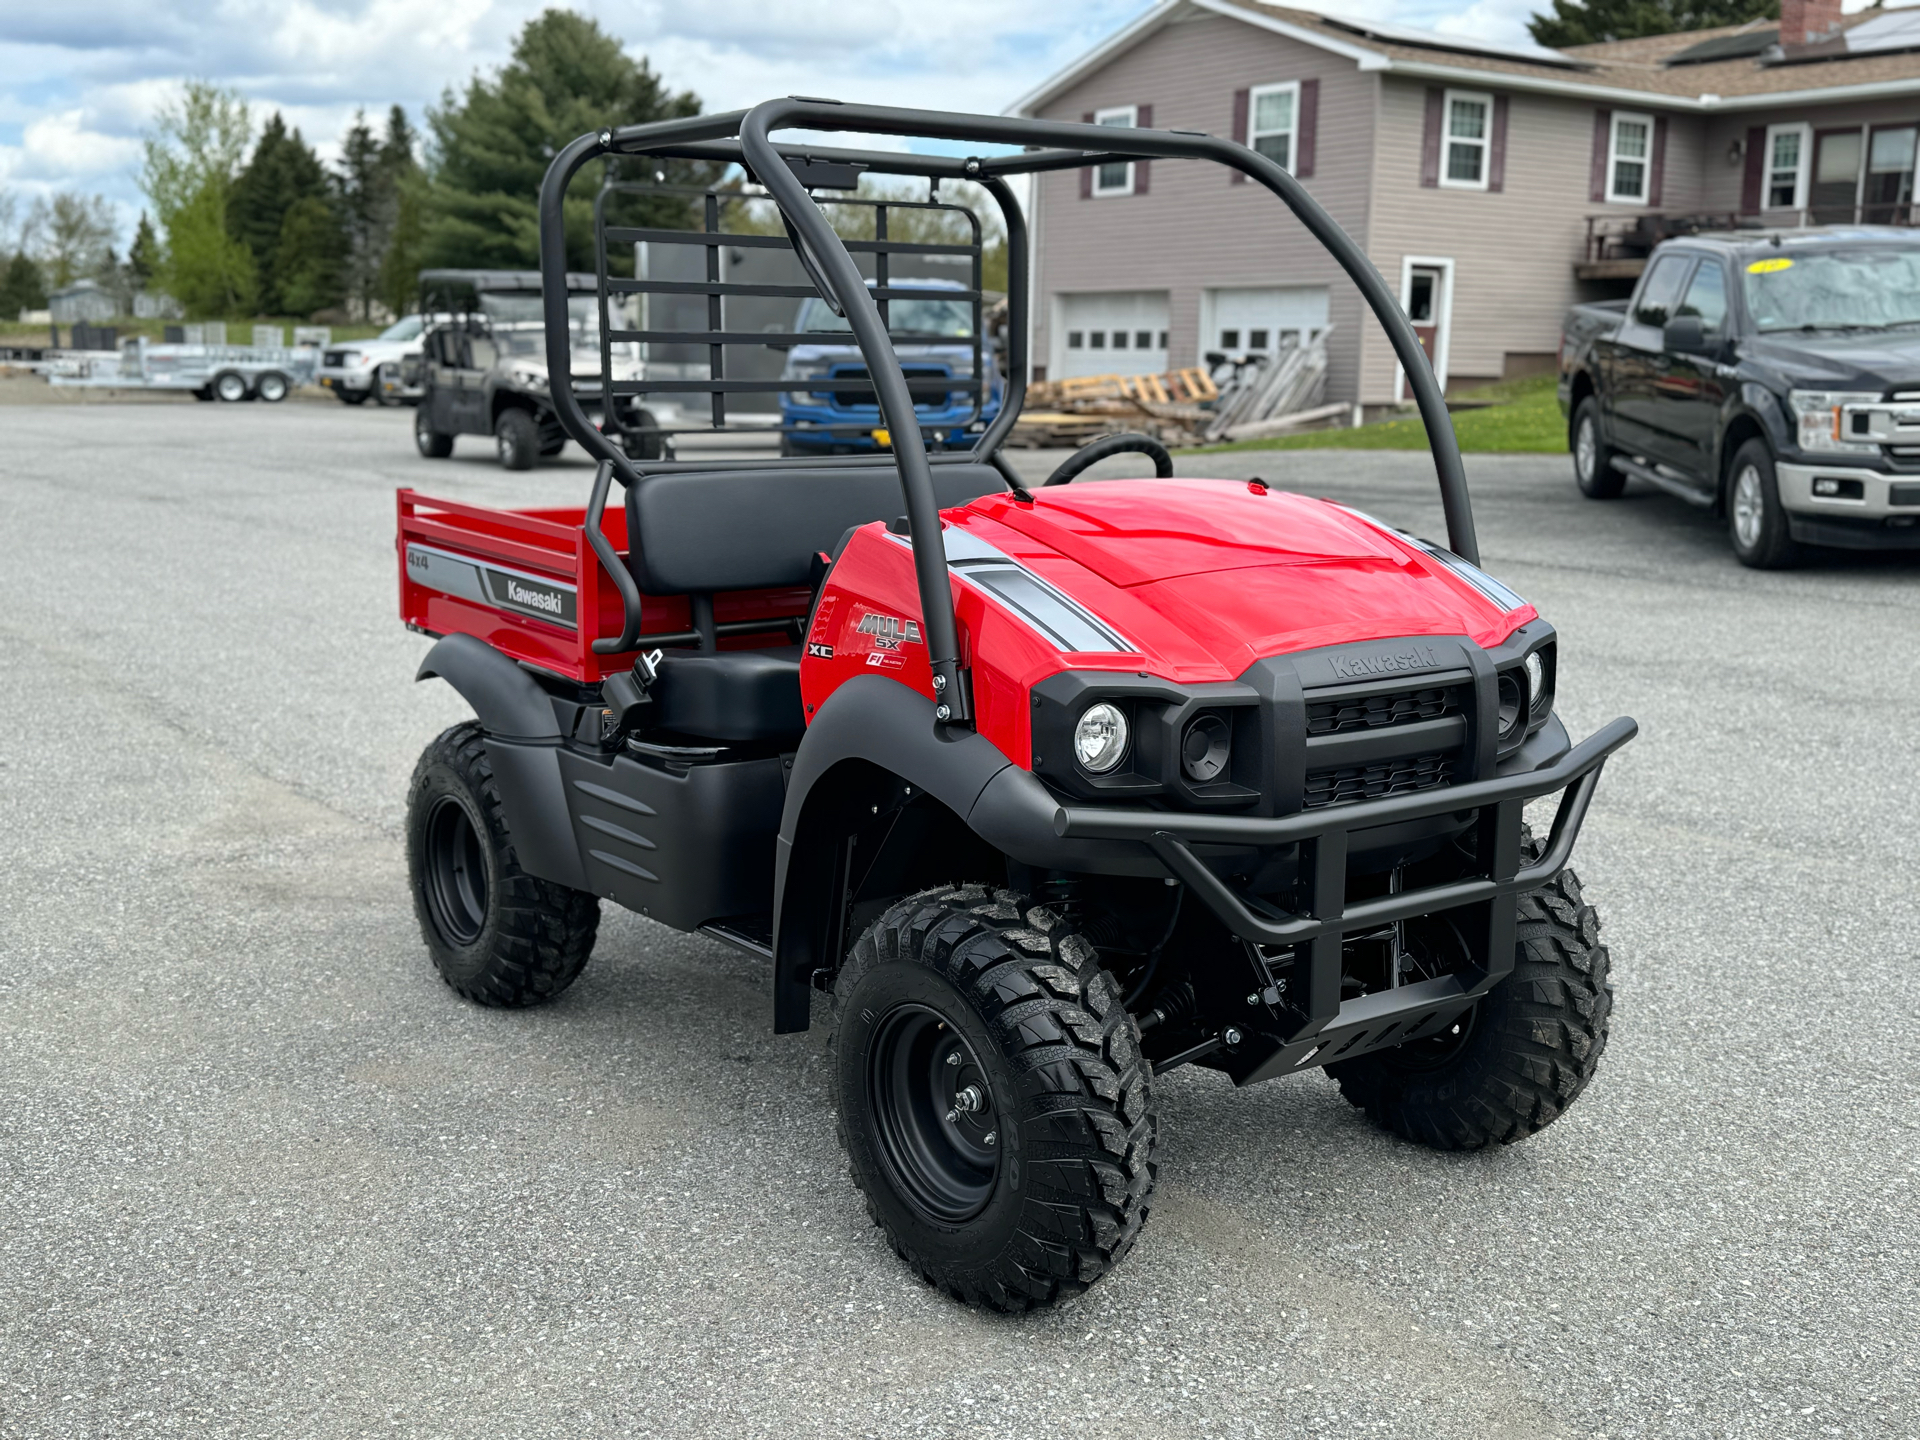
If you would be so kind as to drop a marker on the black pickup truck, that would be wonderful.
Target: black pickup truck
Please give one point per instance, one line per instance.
(1770, 376)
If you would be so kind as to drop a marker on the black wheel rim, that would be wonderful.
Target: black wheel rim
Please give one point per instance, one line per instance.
(921, 1072)
(1432, 1052)
(455, 873)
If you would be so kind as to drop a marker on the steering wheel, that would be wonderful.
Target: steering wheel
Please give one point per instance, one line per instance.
(1096, 451)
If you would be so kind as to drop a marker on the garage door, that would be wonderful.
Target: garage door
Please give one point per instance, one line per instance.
(1121, 332)
(1256, 320)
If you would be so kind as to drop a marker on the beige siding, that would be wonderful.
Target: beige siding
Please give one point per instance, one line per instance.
(1194, 228)
(1514, 251)
(1724, 170)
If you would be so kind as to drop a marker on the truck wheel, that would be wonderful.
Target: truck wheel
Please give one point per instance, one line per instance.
(271, 387)
(497, 935)
(1757, 524)
(517, 440)
(351, 397)
(430, 442)
(230, 386)
(1593, 471)
(994, 1104)
(1520, 1057)
(643, 447)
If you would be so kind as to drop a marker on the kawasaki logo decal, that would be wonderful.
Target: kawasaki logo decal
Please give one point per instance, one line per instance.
(489, 585)
(1359, 667)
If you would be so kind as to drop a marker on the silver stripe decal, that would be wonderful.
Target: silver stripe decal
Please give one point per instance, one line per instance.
(1063, 621)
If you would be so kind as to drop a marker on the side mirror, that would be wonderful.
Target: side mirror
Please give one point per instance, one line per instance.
(1684, 336)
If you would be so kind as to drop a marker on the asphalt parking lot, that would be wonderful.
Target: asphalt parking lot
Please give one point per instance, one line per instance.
(262, 1173)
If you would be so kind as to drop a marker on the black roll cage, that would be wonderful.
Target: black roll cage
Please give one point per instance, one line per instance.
(744, 137)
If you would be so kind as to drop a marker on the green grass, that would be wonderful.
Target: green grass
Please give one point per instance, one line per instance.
(1523, 417)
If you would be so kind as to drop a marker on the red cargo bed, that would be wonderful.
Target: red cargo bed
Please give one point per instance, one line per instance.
(528, 583)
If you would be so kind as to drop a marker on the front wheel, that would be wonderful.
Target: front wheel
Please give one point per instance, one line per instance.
(230, 386)
(1515, 1061)
(497, 935)
(271, 387)
(429, 442)
(994, 1103)
(1594, 468)
(1757, 525)
(517, 440)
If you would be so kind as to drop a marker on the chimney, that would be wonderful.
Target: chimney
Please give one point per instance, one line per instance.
(1808, 22)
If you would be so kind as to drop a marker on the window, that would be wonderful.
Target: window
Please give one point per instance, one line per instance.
(1420, 297)
(1143, 340)
(1163, 344)
(1230, 340)
(1464, 163)
(1075, 339)
(1630, 150)
(1097, 340)
(1257, 340)
(1120, 340)
(1707, 297)
(1116, 178)
(1270, 121)
(1787, 167)
(1889, 190)
(1660, 289)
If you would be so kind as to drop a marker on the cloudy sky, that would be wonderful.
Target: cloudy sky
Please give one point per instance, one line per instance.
(78, 81)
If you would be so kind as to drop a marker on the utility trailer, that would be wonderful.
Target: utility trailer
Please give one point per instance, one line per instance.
(210, 372)
(1042, 793)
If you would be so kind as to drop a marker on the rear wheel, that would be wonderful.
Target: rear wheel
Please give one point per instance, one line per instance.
(1594, 468)
(497, 935)
(995, 1107)
(430, 442)
(517, 440)
(1757, 524)
(271, 387)
(1520, 1057)
(229, 386)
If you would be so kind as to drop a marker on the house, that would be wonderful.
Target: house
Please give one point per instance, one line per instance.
(83, 301)
(1492, 184)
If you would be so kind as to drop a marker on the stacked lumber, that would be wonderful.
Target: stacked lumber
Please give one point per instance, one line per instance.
(1269, 396)
(1170, 407)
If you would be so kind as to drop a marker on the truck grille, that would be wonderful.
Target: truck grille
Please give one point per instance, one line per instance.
(1340, 785)
(1331, 717)
(333, 359)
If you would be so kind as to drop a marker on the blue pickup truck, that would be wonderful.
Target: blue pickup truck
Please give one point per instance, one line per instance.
(934, 337)
(1767, 376)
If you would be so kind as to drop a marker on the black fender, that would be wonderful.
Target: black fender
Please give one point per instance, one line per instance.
(523, 738)
(885, 728)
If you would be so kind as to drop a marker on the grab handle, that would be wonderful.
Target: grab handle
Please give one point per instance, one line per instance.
(610, 558)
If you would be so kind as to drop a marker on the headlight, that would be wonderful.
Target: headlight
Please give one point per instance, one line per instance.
(1536, 678)
(1817, 419)
(1205, 748)
(1100, 737)
(529, 376)
(805, 370)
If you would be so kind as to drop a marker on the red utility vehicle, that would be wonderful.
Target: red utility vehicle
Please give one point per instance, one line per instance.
(1049, 791)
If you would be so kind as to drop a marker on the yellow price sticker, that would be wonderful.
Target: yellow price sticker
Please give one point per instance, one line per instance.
(1769, 267)
(881, 437)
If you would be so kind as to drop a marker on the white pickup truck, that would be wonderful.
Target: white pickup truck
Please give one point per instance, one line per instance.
(351, 370)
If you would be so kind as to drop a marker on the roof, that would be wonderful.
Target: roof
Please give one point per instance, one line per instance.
(1642, 70)
(1770, 239)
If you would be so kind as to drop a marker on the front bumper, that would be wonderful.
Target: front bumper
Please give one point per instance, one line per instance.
(351, 381)
(1873, 511)
(1314, 1025)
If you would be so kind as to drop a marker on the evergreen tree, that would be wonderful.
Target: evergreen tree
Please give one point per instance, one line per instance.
(191, 156)
(1588, 22)
(143, 256)
(400, 260)
(365, 211)
(309, 260)
(22, 287)
(566, 77)
(283, 173)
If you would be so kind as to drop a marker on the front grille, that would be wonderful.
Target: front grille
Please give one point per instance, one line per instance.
(1331, 717)
(1340, 785)
(333, 359)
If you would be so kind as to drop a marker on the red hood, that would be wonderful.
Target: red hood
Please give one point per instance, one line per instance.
(1208, 576)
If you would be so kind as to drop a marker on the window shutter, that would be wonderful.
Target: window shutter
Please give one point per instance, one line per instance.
(1497, 145)
(1240, 131)
(1757, 160)
(1431, 141)
(1598, 170)
(1087, 172)
(1304, 125)
(1657, 163)
(1143, 120)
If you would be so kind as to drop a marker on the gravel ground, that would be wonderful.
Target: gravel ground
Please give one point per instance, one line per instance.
(261, 1173)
